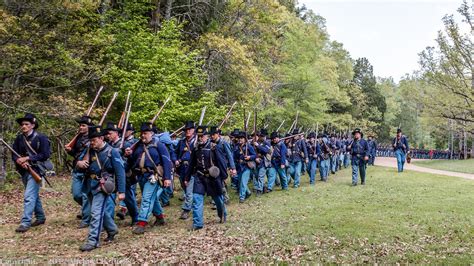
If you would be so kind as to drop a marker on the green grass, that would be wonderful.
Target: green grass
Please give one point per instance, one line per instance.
(462, 166)
(396, 218)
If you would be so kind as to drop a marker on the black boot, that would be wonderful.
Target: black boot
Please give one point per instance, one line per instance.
(87, 247)
(111, 236)
(160, 221)
(22, 228)
(184, 215)
(37, 223)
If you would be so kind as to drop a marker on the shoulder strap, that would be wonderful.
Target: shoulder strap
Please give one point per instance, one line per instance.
(109, 154)
(98, 161)
(145, 148)
(28, 144)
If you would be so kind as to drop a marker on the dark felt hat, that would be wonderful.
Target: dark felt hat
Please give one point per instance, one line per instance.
(274, 135)
(146, 126)
(130, 127)
(202, 130)
(111, 126)
(85, 119)
(235, 133)
(95, 131)
(214, 130)
(295, 131)
(263, 132)
(399, 130)
(242, 134)
(30, 118)
(357, 130)
(189, 125)
(311, 135)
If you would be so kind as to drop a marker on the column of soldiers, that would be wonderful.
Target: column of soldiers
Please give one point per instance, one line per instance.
(107, 168)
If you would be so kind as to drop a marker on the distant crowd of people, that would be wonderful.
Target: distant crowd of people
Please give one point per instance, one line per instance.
(386, 150)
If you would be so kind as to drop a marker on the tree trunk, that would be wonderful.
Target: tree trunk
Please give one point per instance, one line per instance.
(452, 139)
(169, 6)
(464, 143)
(472, 146)
(156, 16)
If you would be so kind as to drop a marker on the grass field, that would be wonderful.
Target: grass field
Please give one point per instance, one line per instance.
(395, 218)
(462, 166)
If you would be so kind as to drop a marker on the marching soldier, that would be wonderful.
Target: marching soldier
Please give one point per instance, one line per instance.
(335, 148)
(401, 149)
(347, 154)
(314, 151)
(151, 164)
(130, 201)
(183, 152)
(224, 148)
(208, 167)
(33, 148)
(165, 138)
(279, 162)
(372, 149)
(105, 175)
(263, 160)
(359, 151)
(112, 135)
(78, 150)
(245, 155)
(324, 157)
(299, 155)
(234, 144)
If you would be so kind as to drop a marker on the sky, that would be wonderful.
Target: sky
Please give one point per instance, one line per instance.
(390, 33)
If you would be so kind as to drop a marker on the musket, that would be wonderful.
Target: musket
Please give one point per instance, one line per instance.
(159, 111)
(124, 129)
(89, 111)
(177, 131)
(227, 116)
(291, 128)
(108, 109)
(299, 134)
(201, 118)
(254, 122)
(74, 139)
(124, 113)
(209, 122)
(282, 122)
(246, 123)
(86, 156)
(32, 172)
(317, 128)
(296, 120)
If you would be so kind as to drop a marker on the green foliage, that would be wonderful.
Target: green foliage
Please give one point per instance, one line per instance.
(152, 66)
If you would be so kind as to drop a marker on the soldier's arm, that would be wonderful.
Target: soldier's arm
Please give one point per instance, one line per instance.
(251, 152)
(263, 148)
(117, 164)
(190, 169)
(44, 151)
(173, 155)
(283, 152)
(305, 150)
(165, 160)
(229, 154)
